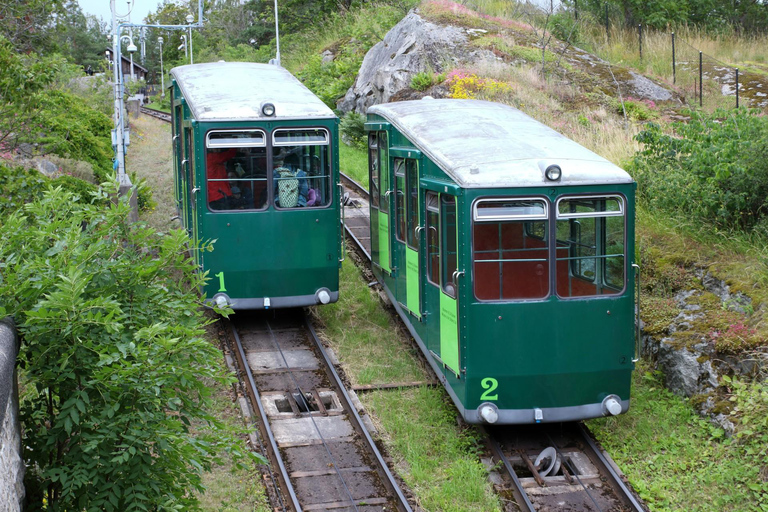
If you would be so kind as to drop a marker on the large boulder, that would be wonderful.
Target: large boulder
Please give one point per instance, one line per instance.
(413, 46)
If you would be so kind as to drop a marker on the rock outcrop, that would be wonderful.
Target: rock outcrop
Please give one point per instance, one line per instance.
(413, 46)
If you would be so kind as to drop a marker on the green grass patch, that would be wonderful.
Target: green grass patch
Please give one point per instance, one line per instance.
(675, 459)
(438, 460)
(354, 163)
(372, 351)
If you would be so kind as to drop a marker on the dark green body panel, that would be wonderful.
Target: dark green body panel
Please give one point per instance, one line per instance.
(552, 353)
(269, 253)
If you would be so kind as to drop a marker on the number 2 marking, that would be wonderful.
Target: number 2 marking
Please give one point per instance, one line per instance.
(490, 385)
(220, 275)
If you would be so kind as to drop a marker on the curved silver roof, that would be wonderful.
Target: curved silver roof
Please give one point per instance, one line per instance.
(485, 144)
(219, 91)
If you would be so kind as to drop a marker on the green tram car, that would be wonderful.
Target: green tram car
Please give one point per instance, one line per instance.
(508, 250)
(257, 170)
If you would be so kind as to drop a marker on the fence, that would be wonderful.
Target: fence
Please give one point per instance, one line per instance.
(11, 462)
(702, 80)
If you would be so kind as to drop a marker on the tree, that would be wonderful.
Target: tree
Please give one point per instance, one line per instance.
(25, 23)
(82, 39)
(113, 348)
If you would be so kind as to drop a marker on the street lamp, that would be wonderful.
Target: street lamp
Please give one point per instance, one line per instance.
(131, 49)
(190, 19)
(162, 73)
(184, 45)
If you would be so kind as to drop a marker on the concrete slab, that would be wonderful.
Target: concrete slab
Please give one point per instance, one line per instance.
(263, 361)
(302, 430)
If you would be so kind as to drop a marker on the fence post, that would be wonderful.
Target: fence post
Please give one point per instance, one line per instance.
(737, 87)
(640, 38)
(607, 31)
(674, 67)
(701, 79)
(576, 9)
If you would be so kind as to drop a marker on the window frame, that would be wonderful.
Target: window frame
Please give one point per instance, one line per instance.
(233, 145)
(434, 209)
(275, 144)
(601, 275)
(525, 220)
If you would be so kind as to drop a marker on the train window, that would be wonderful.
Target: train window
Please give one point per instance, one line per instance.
(384, 170)
(509, 263)
(412, 202)
(300, 137)
(373, 167)
(590, 246)
(301, 168)
(235, 139)
(400, 199)
(449, 249)
(433, 239)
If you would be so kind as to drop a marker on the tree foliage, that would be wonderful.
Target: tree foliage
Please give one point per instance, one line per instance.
(742, 15)
(713, 167)
(113, 345)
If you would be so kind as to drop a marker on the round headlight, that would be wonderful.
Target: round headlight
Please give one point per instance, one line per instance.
(268, 109)
(553, 172)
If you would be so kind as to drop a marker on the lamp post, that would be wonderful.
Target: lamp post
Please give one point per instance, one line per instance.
(190, 19)
(184, 44)
(162, 73)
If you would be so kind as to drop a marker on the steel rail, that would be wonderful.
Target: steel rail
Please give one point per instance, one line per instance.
(394, 486)
(608, 470)
(521, 497)
(306, 405)
(256, 398)
(358, 188)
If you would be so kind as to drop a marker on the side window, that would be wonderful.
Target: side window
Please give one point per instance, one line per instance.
(433, 239)
(590, 246)
(449, 247)
(412, 203)
(507, 262)
(236, 170)
(373, 168)
(400, 199)
(384, 171)
(301, 168)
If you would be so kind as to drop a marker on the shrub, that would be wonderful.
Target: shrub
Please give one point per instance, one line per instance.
(114, 355)
(466, 85)
(352, 129)
(713, 168)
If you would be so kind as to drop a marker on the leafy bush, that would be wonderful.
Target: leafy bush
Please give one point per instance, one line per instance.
(19, 186)
(426, 79)
(713, 168)
(115, 358)
(331, 80)
(352, 129)
(564, 27)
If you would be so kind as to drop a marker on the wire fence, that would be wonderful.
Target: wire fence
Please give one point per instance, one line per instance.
(701, 80)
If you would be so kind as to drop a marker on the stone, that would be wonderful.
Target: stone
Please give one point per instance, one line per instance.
(328, 56)
(413, 46)
(46, 167)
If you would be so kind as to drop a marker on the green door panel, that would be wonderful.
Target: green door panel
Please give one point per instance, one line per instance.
(384, 242)
(449, 332)
(413, 299)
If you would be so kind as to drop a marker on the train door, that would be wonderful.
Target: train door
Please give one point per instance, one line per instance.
(191, 188)
(178, 184)
(379, 184)
(448, 349)
(407, 236)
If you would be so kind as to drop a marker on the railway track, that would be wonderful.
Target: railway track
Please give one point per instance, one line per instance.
(551, 467)
(158, 114)
(322, 456)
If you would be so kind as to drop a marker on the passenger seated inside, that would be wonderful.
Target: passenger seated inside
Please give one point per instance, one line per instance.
(219, 190)
(291, 187)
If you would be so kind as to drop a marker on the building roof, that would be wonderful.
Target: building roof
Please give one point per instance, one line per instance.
(236, 91)
(485, 144)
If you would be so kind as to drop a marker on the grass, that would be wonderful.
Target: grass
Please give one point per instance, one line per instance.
(437, 459)
(675, 459)
(354, 163)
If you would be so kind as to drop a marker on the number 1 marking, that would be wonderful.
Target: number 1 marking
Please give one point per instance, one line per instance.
(490, 385)
(220, 275)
